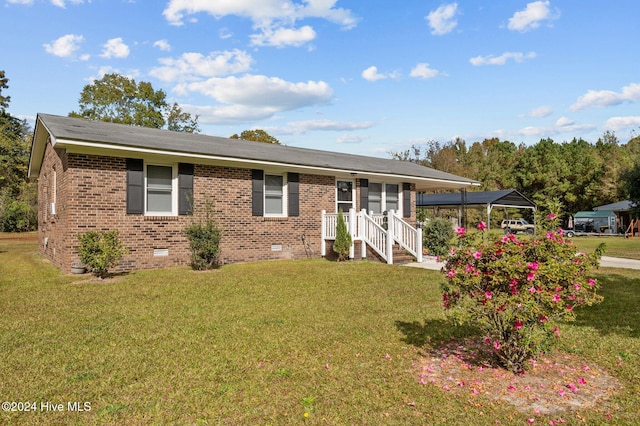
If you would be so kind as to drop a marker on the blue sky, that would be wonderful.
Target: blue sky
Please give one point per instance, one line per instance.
(364, 77)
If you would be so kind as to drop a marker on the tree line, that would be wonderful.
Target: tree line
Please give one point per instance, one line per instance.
(573, 176)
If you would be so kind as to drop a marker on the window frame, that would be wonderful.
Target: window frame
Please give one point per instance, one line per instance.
(174, 189)
(353, 194)
(383, 196)
(284, 200)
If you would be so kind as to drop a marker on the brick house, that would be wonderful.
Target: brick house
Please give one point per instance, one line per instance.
(271, 201)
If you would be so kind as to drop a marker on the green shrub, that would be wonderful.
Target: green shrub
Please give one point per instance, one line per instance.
(437, 236)
(100, 251)
(18, 216)
(342, 243)
(516, 291)
(204, 241)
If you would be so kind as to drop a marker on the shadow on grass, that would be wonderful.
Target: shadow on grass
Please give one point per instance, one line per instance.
(618, 313)
(433, 332)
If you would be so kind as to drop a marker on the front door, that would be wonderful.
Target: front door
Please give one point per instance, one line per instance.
(345, 195)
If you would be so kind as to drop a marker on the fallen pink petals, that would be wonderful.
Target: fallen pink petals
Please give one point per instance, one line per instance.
(554, 383)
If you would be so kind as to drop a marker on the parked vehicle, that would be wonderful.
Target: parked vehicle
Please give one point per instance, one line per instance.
(513, 226)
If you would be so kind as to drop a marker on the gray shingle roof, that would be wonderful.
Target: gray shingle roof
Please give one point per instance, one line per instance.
(95, 132)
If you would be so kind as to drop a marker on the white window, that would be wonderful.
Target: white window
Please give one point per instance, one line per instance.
(375, 198)
(54, 193)
(383, 197)
(274, 195)
(345, 195)
(161, 191)
(392, 199)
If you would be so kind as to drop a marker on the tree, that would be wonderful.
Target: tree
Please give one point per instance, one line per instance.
(631, 185)
(257, 135)
(342, 243)
(18, 196)
(4, 100)
(119, 99)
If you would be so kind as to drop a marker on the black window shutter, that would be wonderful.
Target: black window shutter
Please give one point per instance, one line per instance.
(135, 186)
(364, 194)
(185, 188)
(257, 189)
(293, 183)
(406, 199)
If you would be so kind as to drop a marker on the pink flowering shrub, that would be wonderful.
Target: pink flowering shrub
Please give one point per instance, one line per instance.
(516, 290)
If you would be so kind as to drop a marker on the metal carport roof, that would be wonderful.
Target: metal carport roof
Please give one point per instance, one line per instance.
(506, 198)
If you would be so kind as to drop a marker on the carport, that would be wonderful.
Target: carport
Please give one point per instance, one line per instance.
(508, 198)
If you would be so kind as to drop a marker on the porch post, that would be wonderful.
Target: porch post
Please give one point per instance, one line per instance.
(390, 237)
(419, 242)
(363, 234)
(353, 226)
(323, 235)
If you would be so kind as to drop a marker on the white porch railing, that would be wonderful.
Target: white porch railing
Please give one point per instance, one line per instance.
(370, 229)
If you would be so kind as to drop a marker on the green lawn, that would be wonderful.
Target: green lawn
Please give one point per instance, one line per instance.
(262, 343)
(615, 246)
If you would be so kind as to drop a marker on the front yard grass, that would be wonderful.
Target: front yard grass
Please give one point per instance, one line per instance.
(288, 342)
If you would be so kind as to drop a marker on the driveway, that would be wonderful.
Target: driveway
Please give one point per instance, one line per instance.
(430, 262)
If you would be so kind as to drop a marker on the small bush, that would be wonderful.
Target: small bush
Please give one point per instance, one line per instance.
(100, 251)
(204, 241)
(342, 244)
(437, 236)
(516, 291)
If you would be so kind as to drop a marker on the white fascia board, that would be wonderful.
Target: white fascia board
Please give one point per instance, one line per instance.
(109, 149)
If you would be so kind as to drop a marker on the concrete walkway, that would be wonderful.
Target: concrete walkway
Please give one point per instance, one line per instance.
(429, 262)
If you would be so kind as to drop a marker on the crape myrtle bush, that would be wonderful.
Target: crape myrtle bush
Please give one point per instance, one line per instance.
(204, 240)
(515, 291)
(100, 251)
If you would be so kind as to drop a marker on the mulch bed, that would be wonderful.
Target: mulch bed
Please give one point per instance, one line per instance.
(556, 383)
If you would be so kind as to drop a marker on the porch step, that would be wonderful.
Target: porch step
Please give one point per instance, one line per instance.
(400, 256)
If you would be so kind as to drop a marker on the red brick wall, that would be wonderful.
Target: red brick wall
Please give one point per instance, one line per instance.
(91, 195)
(94, 189)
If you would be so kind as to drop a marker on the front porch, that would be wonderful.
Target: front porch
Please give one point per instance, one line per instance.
(380, 232)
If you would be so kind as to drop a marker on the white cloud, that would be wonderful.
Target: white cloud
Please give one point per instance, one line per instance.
(191, 66)
(281, 37)
(255, 97)
(531, 17)
(274, 19)
(372, 74)
(350, 138)
(442, 20)
(423, 71)
(304, 126)
(162, 45)
(605, 98)
(225, 33)
(25, 2)
(540, 112)
(261, 11)
(115, 48)
(622, 123)
(502, 59)
(65, 46)
(564, 122)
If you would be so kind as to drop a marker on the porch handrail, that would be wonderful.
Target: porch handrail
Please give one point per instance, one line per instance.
(406, 236)
(376, 236)
(369, 229)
